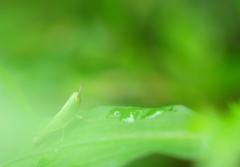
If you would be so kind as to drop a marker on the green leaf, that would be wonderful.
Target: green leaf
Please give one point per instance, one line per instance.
(115, 136)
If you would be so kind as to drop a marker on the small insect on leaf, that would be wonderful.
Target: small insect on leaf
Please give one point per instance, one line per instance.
(64, 116)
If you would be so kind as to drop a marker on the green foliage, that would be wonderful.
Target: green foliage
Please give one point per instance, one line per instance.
(146, 53)
(115, 136)
(225, 137)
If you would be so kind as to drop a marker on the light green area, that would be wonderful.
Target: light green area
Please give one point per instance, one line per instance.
(103, 138)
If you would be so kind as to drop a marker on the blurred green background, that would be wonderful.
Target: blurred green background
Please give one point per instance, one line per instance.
(145, 53)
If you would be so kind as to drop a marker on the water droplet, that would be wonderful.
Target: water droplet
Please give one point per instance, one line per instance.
(116, 112)
(135, 111)
(130, 114)
(170, 108)
(129, 119)
(152, 113)
(125, 115)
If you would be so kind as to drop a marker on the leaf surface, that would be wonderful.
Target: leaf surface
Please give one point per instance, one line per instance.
(115, 136)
